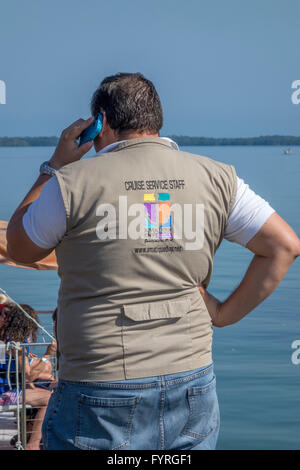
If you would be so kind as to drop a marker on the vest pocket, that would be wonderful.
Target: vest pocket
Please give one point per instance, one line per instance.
(156, 338)
(104, 423)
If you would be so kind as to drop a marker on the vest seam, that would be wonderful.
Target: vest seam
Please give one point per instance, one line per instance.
(64, 194)
(123, 348)
(234, 189)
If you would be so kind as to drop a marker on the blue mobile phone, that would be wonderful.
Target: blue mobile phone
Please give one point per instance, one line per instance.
(91, 132)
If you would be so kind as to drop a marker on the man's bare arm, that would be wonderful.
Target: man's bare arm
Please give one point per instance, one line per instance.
(19, 246)
(275, 247)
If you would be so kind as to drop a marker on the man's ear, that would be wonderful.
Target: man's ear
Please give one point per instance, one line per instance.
(105, 125)
(97, 140)
(107, 131)
(106, 136)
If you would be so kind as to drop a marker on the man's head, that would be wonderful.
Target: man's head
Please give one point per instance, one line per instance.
(131, 108)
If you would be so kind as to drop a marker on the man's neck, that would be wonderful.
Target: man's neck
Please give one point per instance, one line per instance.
(126, 135)
(110, 147)
(113, 139)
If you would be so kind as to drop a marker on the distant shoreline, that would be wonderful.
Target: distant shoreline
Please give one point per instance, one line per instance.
(181, 140)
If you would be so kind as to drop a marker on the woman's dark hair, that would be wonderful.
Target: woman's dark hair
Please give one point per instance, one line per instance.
(17, 326)
(130, 102)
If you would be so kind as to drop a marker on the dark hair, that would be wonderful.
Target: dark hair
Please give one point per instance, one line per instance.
(130, 102)
(17, 326)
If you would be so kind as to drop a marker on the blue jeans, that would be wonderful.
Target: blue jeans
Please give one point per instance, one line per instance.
(174, 411)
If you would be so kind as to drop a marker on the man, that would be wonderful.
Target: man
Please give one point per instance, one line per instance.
(135, 231)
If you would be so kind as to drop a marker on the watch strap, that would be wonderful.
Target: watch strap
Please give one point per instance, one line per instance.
(46, 169)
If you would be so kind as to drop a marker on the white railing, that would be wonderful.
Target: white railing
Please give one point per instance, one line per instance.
(26, 393)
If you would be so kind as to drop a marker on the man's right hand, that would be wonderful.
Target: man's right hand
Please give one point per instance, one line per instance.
(67, 150)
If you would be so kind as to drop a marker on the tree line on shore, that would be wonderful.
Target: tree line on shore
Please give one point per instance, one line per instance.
(28, 141)
(262, 140)
(180, 139)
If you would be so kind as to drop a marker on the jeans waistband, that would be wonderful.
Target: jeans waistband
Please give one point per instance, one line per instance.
(146, 382)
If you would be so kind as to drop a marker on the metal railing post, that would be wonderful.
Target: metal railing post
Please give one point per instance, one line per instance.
(18, 443)
(23, 412)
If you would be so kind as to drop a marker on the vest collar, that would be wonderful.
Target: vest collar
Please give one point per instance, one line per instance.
(115, 147)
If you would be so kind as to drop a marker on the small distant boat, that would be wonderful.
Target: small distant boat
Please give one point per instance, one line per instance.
(287, 152)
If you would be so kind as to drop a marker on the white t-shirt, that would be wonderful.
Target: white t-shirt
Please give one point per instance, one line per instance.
(45, 220)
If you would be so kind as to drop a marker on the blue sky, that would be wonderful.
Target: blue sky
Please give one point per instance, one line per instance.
(223, 68)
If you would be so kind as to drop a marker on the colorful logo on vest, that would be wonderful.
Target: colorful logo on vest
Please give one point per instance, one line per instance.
(158, 221)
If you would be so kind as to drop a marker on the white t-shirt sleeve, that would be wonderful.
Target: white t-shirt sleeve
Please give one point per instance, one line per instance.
(247, 216)
(45, 221)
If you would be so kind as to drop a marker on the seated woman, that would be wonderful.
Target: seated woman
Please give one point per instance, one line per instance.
(15, 326)
(40, 372)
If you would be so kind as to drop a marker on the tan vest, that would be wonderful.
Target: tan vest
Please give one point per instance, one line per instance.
(143, 224)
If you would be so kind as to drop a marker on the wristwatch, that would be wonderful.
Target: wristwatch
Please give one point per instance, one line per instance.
(45, 360)
(46, 169)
